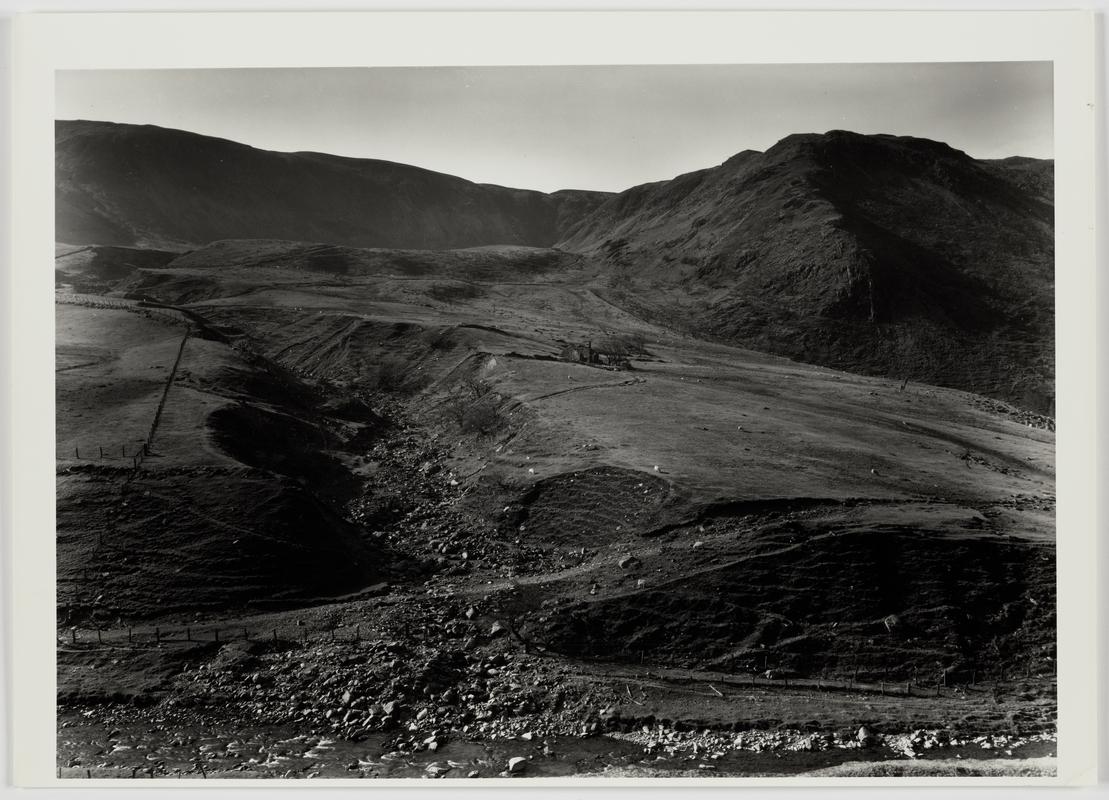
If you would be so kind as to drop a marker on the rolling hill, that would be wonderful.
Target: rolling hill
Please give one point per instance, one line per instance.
(878, 254)
(141, 185)
(389, 473)
(883, 255)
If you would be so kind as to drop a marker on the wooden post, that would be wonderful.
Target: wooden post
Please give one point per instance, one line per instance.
(76, 452)
(101, 452)
(908, 689)
(275, 634)
(188, 634)
(130, 635)
(123, 451)
(99, 637)
(357, 633)
(74, 635)
(216, 632)
(245, 634)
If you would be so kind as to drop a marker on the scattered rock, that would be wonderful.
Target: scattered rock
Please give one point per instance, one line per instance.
(517, 765)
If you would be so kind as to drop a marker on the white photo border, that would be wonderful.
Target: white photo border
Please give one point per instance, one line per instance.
(45, 43)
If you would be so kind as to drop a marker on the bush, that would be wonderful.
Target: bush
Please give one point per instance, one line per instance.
(630, 344)
(390, 374)
(474, 408)
(483, 419)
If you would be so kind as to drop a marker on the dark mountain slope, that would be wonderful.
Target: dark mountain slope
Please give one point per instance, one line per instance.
(881, 254)
(143, 185)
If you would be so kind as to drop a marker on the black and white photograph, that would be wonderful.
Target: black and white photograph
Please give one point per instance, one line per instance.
(517, 422)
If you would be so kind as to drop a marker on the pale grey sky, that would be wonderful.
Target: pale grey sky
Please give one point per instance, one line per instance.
(576, 127)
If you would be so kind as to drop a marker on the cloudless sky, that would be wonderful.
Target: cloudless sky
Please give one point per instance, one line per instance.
(575, 127)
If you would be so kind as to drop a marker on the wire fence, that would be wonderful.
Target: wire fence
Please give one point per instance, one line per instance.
(163, 313)
(84, 639)
(144, 450)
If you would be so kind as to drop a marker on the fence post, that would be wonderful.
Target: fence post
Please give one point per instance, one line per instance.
(130, 634)
(74, 632)
(188, 634)
(123, 451)
(275, 634)
(99, 637)
(76, 452)
(157, 636)
(217, 634)
(245, 634)
(101, 452)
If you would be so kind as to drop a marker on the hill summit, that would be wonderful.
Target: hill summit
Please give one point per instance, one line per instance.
(880, 254)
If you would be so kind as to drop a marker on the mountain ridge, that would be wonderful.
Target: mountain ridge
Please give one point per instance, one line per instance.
(144, 185)
(879, 254)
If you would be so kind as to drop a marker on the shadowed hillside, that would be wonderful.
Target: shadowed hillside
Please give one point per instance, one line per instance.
(148, 186)
(879, 254)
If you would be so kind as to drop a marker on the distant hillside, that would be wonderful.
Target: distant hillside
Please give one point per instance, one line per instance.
(881, 254)
(140, 185)
(884, 255)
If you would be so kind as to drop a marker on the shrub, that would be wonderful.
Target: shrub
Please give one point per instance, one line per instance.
(474, 408)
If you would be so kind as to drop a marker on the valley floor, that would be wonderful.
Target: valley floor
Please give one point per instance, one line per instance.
(320, 527)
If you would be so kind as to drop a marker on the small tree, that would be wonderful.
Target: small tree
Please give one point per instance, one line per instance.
(474, 408)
